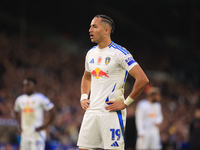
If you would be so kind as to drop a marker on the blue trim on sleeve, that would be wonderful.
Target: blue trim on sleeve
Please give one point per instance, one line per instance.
(131, 62)
(48, 104)
(120, 48)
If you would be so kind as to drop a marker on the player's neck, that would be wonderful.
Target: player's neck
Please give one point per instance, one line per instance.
(30, 93)
(150, 100)
(104, 43)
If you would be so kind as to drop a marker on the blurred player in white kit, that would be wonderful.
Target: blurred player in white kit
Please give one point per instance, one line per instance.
(148, 118)
(29, 111)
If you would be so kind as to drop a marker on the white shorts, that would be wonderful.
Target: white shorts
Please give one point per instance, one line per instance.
(102, 130)
(150, 141)
(33, 142)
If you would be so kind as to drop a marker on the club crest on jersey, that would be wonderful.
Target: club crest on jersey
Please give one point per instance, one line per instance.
(99, 60)
(107, 60)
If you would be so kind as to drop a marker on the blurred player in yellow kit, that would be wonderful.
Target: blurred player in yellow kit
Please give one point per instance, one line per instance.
(31, 106)
(106, 68)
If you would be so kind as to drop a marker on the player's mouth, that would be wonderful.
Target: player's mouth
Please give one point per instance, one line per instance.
(91, 36)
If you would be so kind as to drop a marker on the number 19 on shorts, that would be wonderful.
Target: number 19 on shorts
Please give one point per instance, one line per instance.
(115, 134)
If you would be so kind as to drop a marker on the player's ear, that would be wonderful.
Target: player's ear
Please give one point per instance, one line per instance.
(107, 31)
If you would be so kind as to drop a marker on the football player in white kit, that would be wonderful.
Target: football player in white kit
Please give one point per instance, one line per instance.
(106, 68)
(148, 118)
(29, 109)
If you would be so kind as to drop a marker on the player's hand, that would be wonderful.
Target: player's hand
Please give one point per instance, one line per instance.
(85, 104)
(158, 125)
(115, 105)
(40, 128)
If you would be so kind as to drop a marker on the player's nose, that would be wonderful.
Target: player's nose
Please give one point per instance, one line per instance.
(90, 29)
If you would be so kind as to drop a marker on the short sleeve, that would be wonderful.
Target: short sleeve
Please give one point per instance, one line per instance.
(16, 106)
(46, 103)
(126, 60)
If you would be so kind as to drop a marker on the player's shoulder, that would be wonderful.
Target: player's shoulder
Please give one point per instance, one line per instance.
(142, 103)
(39, 95)
(21, 97)
(119, 49)
(92, 49)
(157, 104)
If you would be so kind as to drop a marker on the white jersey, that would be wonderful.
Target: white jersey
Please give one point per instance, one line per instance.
(32, 108)
(147, 116)
(109, 68)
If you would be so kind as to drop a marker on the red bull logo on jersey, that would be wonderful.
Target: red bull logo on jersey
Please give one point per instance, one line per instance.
(27, 109)
(98, 73)
(152, 114)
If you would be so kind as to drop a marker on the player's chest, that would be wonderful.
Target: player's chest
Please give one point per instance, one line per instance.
(29, 104)
(102, 65)
(151, 111)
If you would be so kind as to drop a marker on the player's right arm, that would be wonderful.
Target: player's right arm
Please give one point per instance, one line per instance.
(85, 89)
(18, 114)
(18, 118)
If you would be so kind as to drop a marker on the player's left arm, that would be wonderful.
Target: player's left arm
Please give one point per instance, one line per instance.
(141, 81)
(47, 105)
(52, 114)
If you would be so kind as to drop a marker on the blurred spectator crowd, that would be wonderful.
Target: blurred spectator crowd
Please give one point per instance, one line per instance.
(59, 73)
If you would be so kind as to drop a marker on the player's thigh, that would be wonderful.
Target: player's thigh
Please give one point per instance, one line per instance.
(143, 143)
(25, 142)
(89, 136)
(37, 145)
(139, 143)
(156, 142)
(38, 141)
(111, 130)
(24, 145)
